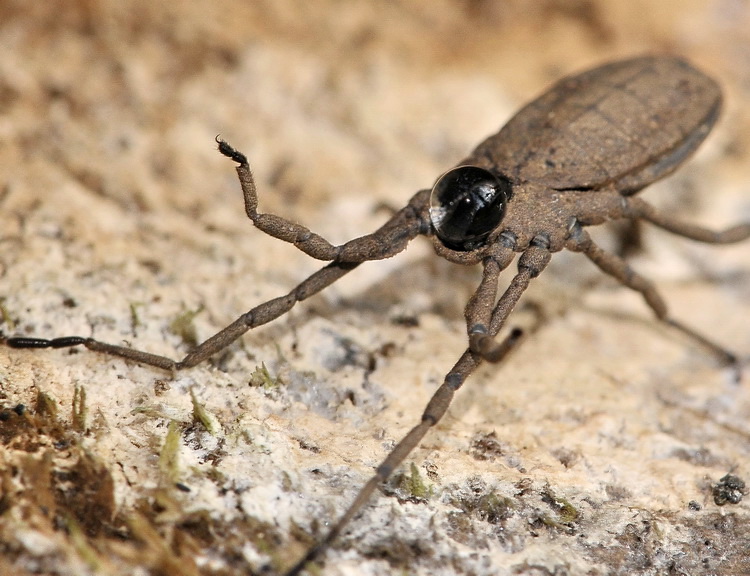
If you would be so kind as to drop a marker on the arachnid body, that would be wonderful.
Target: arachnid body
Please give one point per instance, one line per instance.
(574, 157)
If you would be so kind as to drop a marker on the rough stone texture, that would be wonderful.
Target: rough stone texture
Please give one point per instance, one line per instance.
(593, 450)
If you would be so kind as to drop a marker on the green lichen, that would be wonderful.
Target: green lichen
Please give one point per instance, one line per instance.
(169, 461)
(492, 508)
(565, 512)
(45, 405)
(79, 411)
(489, 507)
(5, 316)
(204, 417)
(262, 378)
(414, 485)
(183, 327)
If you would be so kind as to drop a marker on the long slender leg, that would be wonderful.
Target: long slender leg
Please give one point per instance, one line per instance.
(531, 263)
(617, 267)
(389, 239)
(639, 208)
(435, 409)
(258, 316)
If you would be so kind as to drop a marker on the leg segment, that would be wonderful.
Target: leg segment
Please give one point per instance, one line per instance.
(484, 322)
(436, 408)
(388, 240)
(478, 310)
(616, 267)
(532, 262)
(638, 208)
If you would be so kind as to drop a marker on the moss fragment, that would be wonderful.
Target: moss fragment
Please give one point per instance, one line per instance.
(169, 455)
(5, 317)
(45, 405)
(204, 417)
(413, 486)
(262, 378)
(79, 410)
(565, 511)
(183, 327)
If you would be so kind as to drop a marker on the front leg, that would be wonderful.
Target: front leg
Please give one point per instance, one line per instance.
(388, 240)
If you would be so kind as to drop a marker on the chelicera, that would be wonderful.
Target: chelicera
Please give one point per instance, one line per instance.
(574, 157)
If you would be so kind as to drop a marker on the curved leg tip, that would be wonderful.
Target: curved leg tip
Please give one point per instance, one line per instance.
(230, 152)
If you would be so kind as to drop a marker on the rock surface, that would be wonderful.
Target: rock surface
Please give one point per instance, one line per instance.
(592, 450)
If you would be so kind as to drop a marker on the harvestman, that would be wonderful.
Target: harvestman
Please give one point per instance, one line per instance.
(574, 157)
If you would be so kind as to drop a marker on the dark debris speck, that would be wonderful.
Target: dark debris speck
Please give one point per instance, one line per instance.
(729, 490)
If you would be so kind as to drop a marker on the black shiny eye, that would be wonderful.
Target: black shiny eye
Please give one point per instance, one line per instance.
(466, 204)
